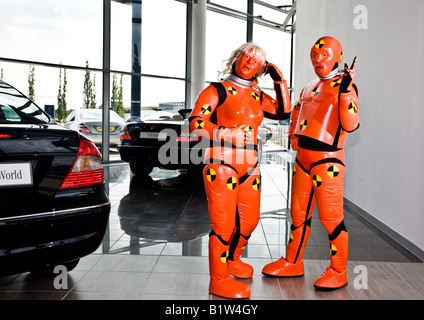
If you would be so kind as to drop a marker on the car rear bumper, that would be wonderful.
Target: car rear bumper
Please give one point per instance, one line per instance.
(144, 155)
(175, 157)
(32, 241)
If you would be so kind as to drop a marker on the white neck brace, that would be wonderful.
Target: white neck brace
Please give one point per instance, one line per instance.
(332, 74)
(239, 81)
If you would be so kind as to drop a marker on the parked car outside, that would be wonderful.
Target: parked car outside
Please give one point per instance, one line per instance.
(162, 139)
(54, 208)
(89, 123)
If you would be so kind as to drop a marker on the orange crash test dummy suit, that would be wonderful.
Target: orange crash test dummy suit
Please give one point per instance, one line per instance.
(326, 111)
(228, 113)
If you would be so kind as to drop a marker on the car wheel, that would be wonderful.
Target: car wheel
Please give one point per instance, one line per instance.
(139, 169)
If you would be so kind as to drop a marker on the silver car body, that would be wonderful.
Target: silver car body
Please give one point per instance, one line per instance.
(88, 122)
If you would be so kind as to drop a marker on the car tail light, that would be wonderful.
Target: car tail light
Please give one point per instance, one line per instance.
(87, 168)
(83, 128)
(124, 134)
(4, 136)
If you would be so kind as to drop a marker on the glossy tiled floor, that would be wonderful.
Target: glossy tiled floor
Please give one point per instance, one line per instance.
(156, 248)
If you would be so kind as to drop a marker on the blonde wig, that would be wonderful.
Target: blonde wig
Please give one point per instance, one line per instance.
(254, 49)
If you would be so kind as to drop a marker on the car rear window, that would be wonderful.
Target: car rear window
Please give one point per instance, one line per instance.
(97, 114)
(91, 115)
(15, 108)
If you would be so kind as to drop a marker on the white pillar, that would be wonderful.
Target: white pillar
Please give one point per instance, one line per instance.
(198, 49)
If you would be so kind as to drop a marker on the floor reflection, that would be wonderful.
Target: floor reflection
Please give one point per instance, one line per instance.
(166, 213)
(171, 209)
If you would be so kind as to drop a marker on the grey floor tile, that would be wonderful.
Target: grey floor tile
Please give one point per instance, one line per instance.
(183, 284)
(132, 266)
(191, 265)
(417, 285)
(29, 282)
(79, 295)
(124, 262)
(263, 287)
(31, 295)
(302, 288)
(385, 289)
(408, 271)
(112, 282)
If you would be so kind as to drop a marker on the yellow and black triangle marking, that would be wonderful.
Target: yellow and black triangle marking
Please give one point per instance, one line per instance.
(199, 124)
(224, 256)
(336, 83)
(210, 174)
(232, 183)
(206, 109)
(273, 101)
(333, 171)
(303, 124)
(294, 170)
(248, 130)
(316, 180)
(352, 108)
(319, 44)
(299, 103)
(255, 95)
(315, 92)
(232, 90)
(256, 184)
(291, 237)
(333, 249)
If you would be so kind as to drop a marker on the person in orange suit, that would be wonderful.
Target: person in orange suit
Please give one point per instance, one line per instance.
(228, 113)
(326, 111)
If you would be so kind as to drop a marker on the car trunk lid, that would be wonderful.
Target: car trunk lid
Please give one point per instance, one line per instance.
(34, 160)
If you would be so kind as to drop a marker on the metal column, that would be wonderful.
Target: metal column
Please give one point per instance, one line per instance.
(249, 36)
(106, 79)
(198, 48)
(136, 59)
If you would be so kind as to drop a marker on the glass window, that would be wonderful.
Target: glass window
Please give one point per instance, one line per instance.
(277, 45)
(163, 37)
(162, 93)
(221, 41)
(67, 31)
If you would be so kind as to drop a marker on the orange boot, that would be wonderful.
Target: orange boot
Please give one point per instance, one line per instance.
(236, 267)
(334, 277)
(240, 269)
(331, 279)
(282, 268)
(292, 265)
(221, 283)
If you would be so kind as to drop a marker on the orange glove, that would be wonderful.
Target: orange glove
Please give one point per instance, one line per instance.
(239, 135)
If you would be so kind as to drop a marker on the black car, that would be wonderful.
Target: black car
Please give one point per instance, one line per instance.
(162, 139)
(54, 208)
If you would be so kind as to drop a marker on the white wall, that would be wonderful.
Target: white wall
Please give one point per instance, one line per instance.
(385, 156)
